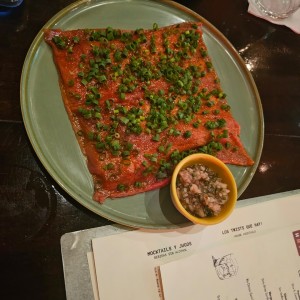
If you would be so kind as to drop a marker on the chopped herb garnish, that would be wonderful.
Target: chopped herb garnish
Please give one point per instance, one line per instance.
(187, 134)
(60, 42)
(71, 82)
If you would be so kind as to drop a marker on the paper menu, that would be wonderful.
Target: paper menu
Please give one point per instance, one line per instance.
(125, 266)
(263, 267)
(125, 262)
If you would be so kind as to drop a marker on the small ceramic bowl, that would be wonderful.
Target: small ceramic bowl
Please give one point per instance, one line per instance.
(223, 172)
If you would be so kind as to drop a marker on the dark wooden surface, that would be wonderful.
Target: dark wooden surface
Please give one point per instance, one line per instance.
(35, 212)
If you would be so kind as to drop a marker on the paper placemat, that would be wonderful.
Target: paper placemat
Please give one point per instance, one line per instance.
(75, 247)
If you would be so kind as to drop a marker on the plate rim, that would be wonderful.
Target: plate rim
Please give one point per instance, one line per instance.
(44, 160)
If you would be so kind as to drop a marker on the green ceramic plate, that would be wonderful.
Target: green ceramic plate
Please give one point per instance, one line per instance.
(51, 134)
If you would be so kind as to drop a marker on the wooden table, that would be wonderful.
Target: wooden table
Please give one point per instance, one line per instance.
(35, 212)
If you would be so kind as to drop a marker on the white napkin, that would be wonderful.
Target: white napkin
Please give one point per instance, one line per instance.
(293, 21)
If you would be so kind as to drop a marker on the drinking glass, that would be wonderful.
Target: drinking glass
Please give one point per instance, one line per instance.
(278, 9)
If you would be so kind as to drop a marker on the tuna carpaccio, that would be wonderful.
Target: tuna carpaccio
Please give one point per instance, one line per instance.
(139, 101)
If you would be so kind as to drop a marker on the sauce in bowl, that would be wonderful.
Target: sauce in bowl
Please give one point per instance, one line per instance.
(201, 191)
